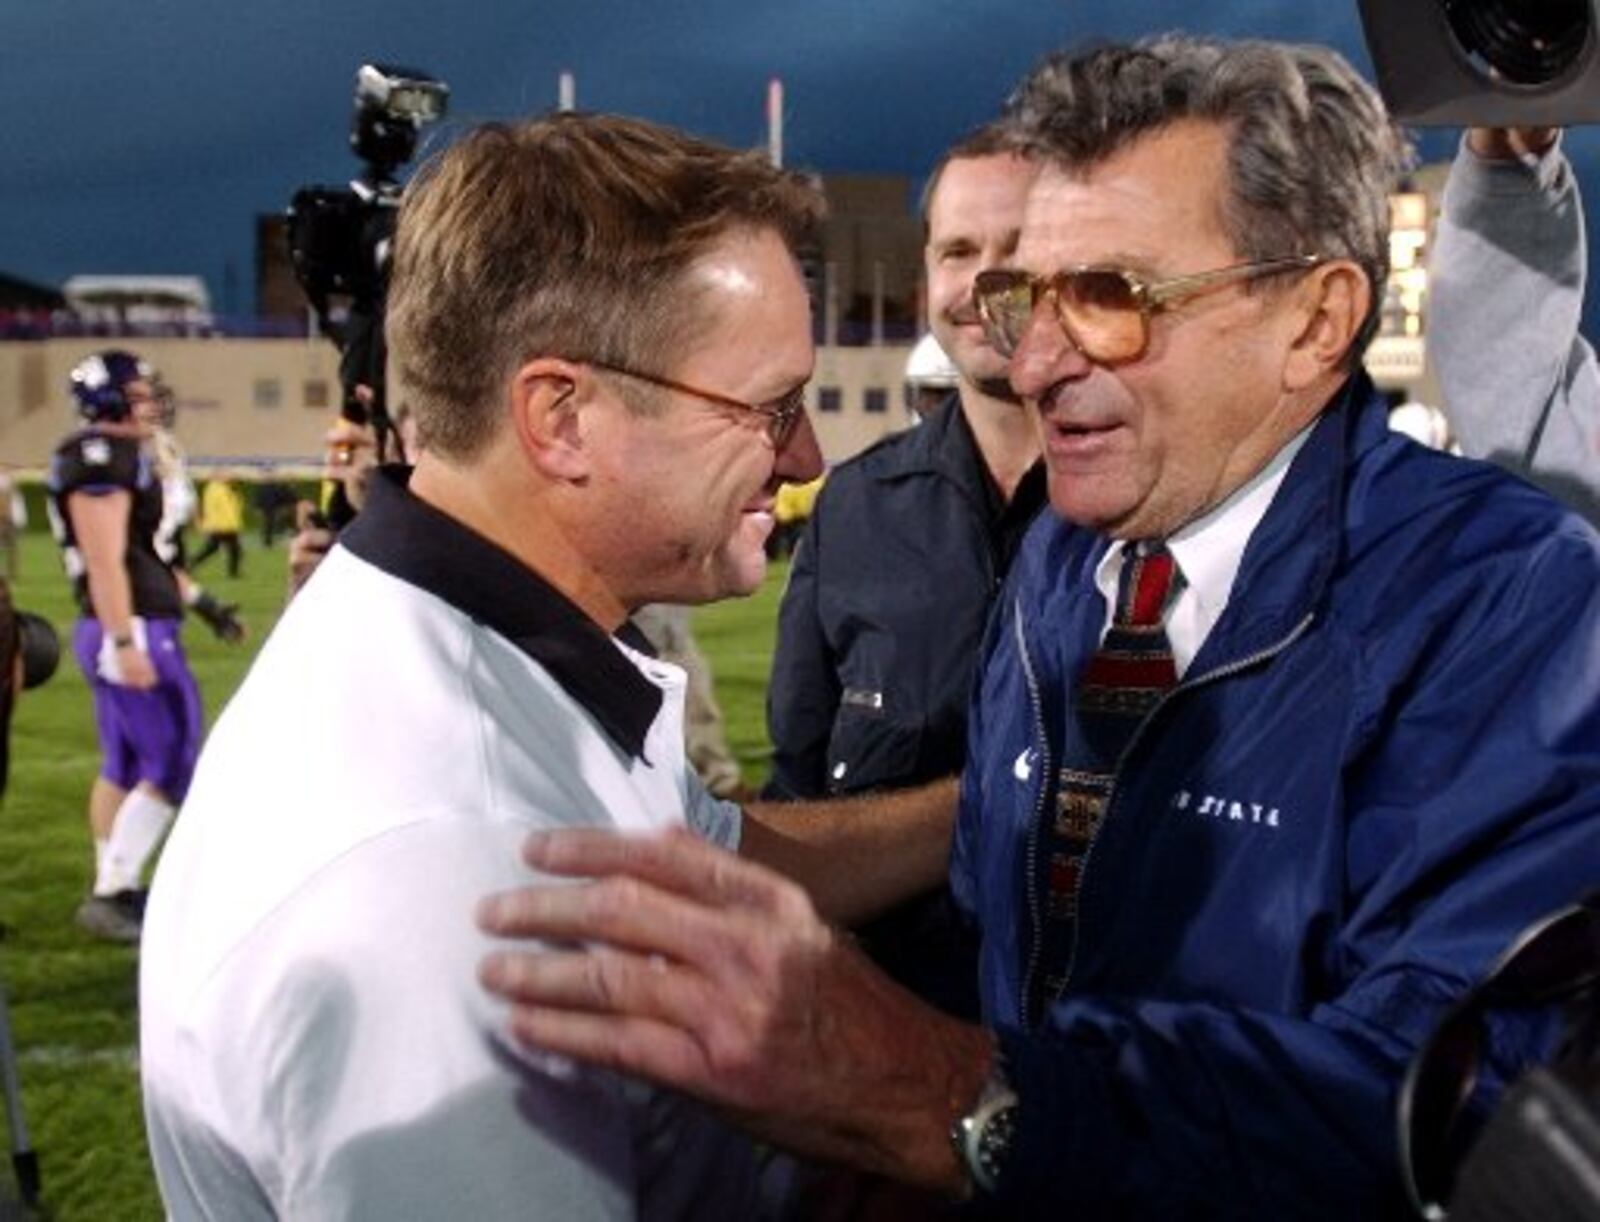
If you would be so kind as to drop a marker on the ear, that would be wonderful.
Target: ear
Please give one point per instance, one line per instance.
(549, 398)
(1329, 306)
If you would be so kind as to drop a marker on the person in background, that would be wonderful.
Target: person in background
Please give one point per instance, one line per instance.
(347, 465)
(870, 675)
(221, 521)
(274, 501)
(178, 500)
(899, 562)
(1506, 283)
(10, 498)
(105, 506)
(794, 507)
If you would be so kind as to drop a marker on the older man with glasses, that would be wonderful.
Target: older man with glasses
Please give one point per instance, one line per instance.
(1284, 726)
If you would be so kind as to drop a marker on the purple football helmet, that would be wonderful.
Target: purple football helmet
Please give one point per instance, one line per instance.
(99, 384)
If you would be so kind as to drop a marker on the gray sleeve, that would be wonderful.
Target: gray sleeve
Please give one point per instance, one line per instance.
(711, 818)
(1521, 386)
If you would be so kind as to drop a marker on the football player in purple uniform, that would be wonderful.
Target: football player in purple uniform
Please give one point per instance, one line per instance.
(106, 509)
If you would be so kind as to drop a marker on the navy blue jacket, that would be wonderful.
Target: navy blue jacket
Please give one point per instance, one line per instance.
(878, 640)
(1384, 761)
(882, 618)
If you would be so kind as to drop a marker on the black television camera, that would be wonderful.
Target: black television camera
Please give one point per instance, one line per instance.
(1486, 63)
(339, 237)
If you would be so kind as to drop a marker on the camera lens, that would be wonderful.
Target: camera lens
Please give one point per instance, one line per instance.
(1524, 42)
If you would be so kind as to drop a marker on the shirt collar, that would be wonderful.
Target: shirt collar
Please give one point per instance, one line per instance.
(424, 547)
(1209, 549)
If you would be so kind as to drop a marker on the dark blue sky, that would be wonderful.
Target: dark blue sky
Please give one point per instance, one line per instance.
(146, 137)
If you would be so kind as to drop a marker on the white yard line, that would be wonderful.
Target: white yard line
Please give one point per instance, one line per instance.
(71, 1056)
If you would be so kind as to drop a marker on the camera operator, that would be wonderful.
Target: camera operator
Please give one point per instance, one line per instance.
(348, 463)
(340, 240)
(339, 244)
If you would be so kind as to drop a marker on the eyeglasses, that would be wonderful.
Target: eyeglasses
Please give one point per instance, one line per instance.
(1556, 958)
(782, 415)
(1105, 311)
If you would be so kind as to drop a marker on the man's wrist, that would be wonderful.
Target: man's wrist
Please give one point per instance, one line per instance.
(122, 640)
(930, 1072)
(981, 1136)
(1512, 144)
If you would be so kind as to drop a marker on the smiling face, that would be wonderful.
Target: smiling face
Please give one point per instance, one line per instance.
(974, 221)
(1139, 449)
(688, 488)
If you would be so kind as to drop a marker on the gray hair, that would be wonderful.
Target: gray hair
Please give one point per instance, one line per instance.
(1313, 156)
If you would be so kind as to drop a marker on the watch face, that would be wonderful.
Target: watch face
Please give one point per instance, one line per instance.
(994, 1143)
(982, 1137)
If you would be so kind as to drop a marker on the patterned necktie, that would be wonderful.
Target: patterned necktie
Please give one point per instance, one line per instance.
(1133, 668)
(1125, 678)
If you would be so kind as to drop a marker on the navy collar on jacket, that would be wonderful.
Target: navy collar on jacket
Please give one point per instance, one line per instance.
(943, 444)
(1293, 552)
(1287, 564)
(411, 540)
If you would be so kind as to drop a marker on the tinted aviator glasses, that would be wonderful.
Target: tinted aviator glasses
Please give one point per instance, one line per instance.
(1105, 311)
(1556, 959)
(780, 417)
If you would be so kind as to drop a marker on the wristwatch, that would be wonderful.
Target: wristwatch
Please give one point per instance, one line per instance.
(122, 640)
(982, 1138)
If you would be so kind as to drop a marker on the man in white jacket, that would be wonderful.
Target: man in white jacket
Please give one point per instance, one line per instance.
(605, 335)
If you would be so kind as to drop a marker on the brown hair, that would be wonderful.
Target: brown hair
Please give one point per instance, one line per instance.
(1313, 154)
(994, 139)
(568, 236)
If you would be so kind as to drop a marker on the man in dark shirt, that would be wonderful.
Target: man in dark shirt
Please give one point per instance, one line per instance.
(908, 543)
(105, 509)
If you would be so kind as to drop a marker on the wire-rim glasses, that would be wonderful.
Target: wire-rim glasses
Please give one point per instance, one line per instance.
(781, 416)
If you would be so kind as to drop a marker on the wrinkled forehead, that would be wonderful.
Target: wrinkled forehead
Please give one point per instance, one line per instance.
(993, 187)
(1153, 206)
(748, 296)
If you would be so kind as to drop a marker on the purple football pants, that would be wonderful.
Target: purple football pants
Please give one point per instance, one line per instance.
(149, 735)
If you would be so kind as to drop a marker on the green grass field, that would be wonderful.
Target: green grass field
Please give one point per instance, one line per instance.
(72, 998)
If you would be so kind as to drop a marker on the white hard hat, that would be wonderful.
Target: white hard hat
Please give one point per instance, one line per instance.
(1421, 422)
(929, 366)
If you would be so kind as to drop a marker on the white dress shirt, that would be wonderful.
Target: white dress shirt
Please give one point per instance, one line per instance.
(1208, 551)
